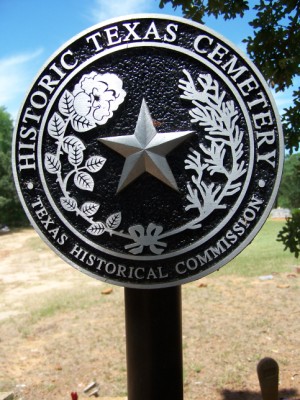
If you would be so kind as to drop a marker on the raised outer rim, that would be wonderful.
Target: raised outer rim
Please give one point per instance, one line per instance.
(268, 208)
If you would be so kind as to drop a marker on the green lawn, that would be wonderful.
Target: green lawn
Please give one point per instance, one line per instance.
(263, 256)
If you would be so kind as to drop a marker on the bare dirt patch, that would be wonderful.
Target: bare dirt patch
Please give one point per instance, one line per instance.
(58, 332)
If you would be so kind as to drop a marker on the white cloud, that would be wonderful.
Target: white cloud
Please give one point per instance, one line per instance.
(16, 74)
(105, 9)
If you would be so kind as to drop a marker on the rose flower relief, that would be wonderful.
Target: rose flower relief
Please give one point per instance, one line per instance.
(97, 96)
(92, 102)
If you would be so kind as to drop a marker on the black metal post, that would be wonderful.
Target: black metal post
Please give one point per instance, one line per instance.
(154, 344)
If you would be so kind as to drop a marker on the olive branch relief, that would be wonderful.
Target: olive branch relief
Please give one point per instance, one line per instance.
(224, 137)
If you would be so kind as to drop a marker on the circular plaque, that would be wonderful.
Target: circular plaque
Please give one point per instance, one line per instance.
(148, 151)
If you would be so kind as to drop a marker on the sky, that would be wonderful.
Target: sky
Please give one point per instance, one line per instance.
(32, 30)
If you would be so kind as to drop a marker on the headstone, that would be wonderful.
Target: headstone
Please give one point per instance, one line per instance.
(280, 213)
(268, 375)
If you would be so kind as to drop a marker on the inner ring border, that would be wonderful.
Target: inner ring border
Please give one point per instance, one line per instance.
(188, 53)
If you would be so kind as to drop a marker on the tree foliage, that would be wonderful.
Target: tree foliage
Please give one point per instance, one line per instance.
(197, 10)
(289, 196)
(11, 212)
(289, 191)
(290, 234)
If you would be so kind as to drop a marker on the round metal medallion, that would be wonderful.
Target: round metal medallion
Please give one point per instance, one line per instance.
(148, 152)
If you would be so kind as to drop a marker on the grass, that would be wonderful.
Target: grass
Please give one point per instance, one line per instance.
(264, 256)
(61, 301)
(35, 244)
(64, 301)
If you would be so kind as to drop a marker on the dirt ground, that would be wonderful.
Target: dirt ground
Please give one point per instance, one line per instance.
(61, 330)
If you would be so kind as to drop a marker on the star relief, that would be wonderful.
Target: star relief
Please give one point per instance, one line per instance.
(146, 150)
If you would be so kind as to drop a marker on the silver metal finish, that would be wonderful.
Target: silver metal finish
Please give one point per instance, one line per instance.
(148, 152)
(145, 150)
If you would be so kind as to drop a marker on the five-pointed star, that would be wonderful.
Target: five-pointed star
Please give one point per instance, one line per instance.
(146, 150)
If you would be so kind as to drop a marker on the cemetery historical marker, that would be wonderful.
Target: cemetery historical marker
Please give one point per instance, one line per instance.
(148, 151)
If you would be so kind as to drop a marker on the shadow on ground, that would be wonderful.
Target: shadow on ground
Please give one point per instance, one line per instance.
(248, 395)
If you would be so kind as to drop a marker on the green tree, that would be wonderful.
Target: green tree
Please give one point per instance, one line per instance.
(289, 191)
(11, 212)
(290, 234)
(274, 48)
(289, 196)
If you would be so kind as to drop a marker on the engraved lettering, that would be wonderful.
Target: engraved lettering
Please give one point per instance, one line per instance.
(121, 271)
(26, 156)
(229, 67)
(152, 31)
(205, 39)
(60, 73)
(47, 83)
(28, 134)
(151, 274)
(29, 115)
(113, 36)
(204, 258)
(171, 34)
(139, 273)
(217, 250)
(238, 229)
(248, 85)
(37, 203)
(218, 53)
(262, 119)
(110, 268)
(232, 237)
(67, 65)
(76, 251)
(62, 239)
(260, 98)
(54, 232)
(95, 38)
(265, 137)
(255, 203)
(84, 254)
(180, 268)
(270, 158)
(192, 264)
(46, 221)
(38, 99)
(223, 244)
(131, 29)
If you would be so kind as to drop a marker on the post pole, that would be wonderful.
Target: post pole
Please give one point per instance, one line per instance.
(154, 344)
